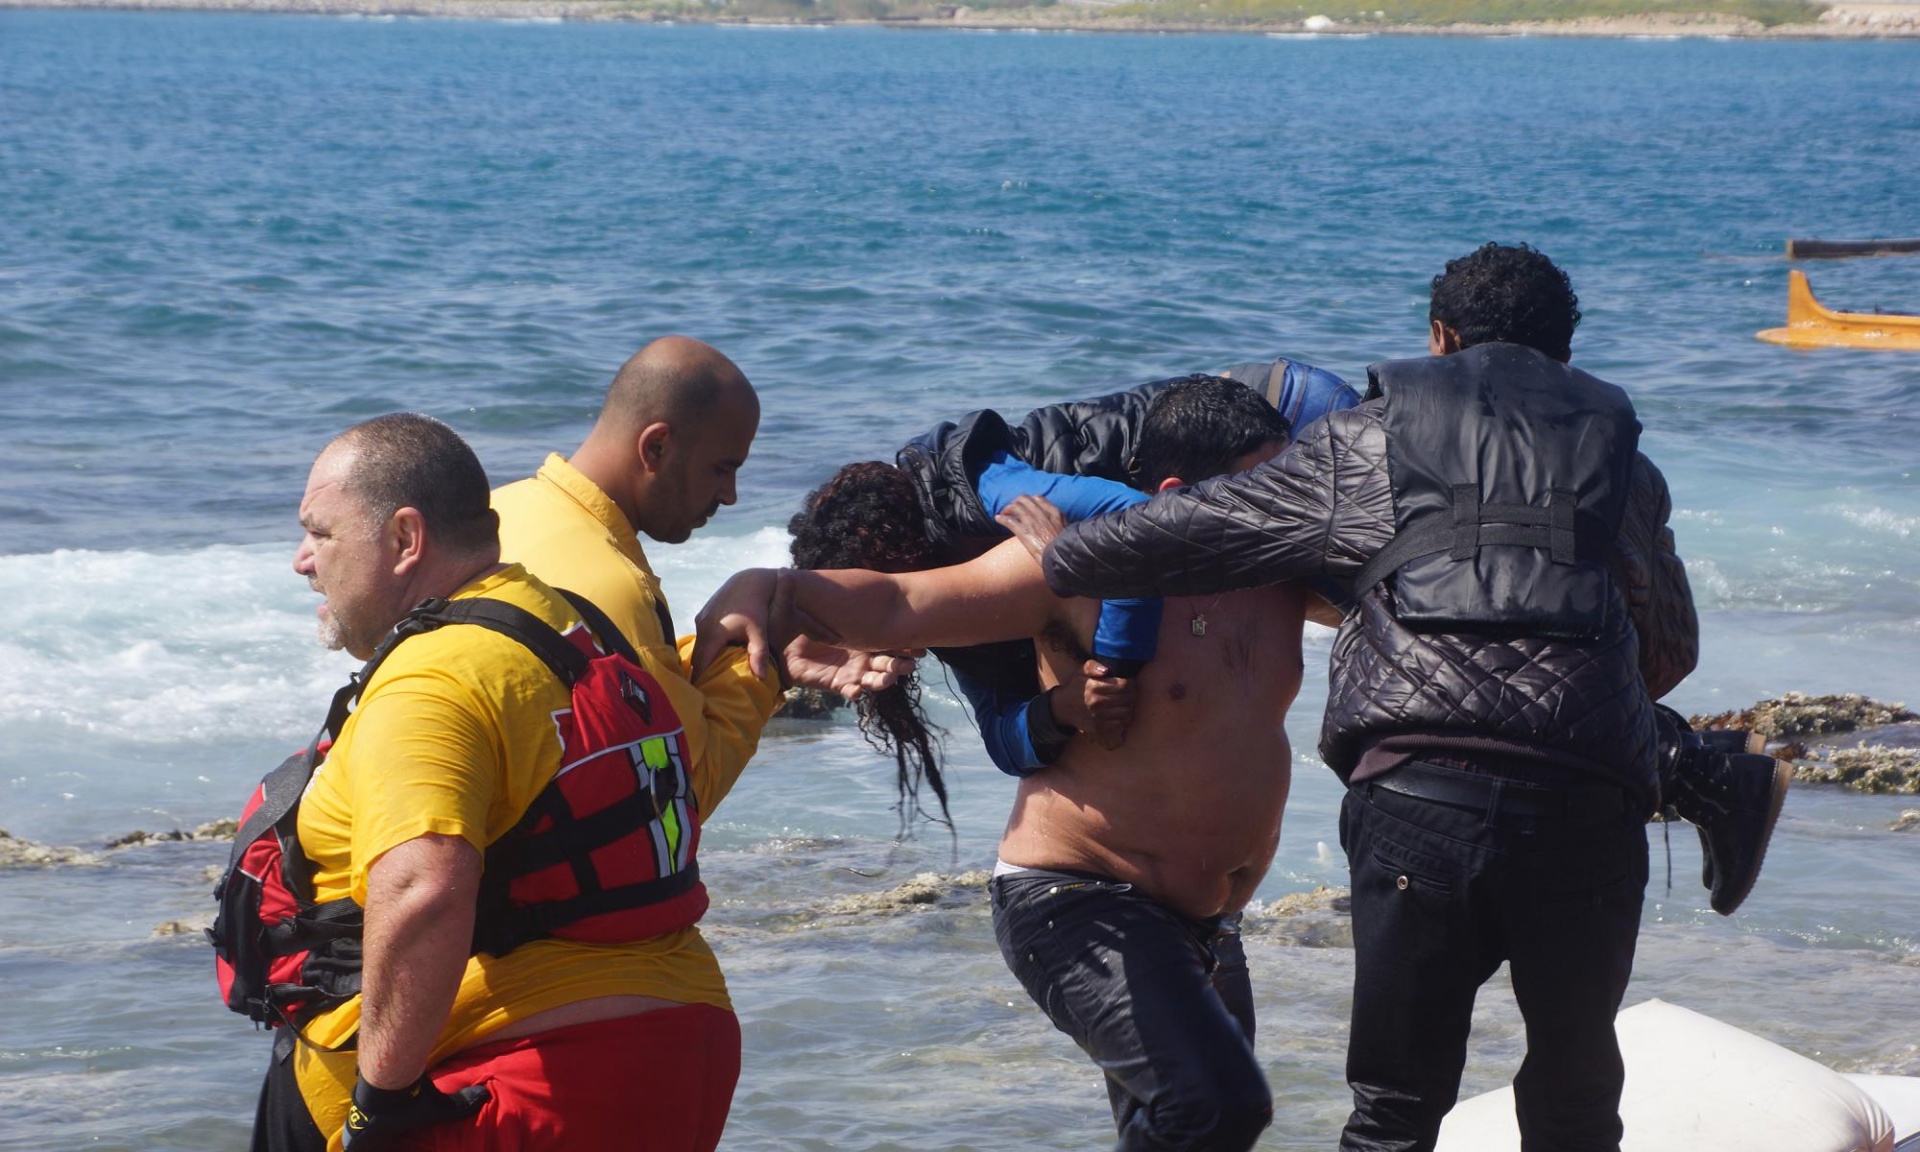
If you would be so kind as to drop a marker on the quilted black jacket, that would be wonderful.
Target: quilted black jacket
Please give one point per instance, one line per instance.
(1322, 509)
(1081, 438)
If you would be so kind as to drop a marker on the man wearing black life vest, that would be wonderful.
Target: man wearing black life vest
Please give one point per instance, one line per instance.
(1518, 608)
(460, 908)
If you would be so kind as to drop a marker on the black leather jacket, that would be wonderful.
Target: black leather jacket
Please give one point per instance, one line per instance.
(1082, 438)
(1322, 509)
(1085, 438)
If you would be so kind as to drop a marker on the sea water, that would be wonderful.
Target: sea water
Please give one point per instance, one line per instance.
(224, 238)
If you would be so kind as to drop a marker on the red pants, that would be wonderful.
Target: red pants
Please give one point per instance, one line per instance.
(657, 1082)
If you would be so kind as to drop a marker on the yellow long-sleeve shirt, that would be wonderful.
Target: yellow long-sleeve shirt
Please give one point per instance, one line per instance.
(569, 533)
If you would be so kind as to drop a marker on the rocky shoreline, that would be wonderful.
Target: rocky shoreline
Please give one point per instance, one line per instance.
(1840, 22)
(1853, 741)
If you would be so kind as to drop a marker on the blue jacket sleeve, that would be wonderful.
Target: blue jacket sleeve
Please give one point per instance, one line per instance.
(1003, 726)
(1129, 630)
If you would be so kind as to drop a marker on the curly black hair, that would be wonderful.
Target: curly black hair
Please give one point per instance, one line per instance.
(867, 516)
(1512, 295)
(1196, 428)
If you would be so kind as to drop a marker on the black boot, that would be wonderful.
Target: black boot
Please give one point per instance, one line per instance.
(1729, 792)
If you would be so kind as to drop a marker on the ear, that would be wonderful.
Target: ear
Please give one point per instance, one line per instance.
(1169, 483)
(652, 445)
(1442, 340)
(407, 540)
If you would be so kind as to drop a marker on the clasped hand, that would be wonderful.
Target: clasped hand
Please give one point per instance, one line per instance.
(755, 609)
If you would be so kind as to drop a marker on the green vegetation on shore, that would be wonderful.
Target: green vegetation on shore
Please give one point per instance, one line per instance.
(1348, 14)
(1438, 12)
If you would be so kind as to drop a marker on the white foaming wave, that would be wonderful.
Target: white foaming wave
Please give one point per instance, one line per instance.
(217, 642)
(158, 647)
(691, 572)
(1880, 520)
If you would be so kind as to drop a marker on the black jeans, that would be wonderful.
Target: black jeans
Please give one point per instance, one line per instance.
(1162, 1003)
(1442, 895)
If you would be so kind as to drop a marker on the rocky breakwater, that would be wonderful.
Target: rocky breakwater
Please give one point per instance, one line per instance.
(1853, 741)
(1869, 20)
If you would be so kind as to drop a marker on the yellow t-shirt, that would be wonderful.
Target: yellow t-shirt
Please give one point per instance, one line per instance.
(454, 736)
(572, 535)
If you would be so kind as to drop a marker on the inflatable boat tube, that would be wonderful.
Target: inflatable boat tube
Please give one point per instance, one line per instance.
(1695, 1083)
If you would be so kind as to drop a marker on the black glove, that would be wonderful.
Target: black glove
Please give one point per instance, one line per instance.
(377, 1115)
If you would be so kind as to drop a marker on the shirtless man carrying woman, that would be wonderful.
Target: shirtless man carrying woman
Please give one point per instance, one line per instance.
(1118, 866)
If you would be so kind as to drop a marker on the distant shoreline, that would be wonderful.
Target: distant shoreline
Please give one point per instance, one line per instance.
(1898, 21)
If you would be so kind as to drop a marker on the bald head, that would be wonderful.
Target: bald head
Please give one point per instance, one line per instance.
(675, 380)
(678, 422)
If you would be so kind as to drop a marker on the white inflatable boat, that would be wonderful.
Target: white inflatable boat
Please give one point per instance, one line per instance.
(1697, 1085)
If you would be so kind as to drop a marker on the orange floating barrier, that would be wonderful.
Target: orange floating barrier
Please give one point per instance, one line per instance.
(1811, 324)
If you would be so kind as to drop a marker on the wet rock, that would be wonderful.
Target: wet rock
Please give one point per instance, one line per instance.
(139, 839)
(1908, 821)
(1796, 714)
(1322, 918)
(810, 704)
(182, 927)
(211, 830)
(18, 853)
(1864, 768)
(221, 829)
(928, 888)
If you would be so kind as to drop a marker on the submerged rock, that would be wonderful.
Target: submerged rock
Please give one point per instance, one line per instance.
(928, 888)
(1796, 714)
(1864, 768)
(1322, 918)
(211, 830)
(810, 704)
(1908, 821)
(182, 927)
(1801, 730)
(18, 853)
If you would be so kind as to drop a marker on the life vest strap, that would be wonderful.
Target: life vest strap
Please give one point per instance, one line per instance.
(500, 931)
(1560, 529)
(511, 860)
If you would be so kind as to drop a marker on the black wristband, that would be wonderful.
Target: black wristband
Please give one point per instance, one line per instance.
(371, 1099)
(1048, 735)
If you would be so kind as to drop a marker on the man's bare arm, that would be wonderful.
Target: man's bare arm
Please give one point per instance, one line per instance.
(421, 897)
(999, 596)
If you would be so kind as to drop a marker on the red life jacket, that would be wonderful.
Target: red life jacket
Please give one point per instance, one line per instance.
(606, 852)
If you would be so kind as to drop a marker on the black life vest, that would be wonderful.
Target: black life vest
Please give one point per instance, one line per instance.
(1510, 474)
(605, 853)
(1493, 612)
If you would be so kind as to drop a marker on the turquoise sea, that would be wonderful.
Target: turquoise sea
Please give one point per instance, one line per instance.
(225, 237)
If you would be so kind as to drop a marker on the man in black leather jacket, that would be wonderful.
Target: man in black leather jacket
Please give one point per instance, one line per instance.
(1519, 605)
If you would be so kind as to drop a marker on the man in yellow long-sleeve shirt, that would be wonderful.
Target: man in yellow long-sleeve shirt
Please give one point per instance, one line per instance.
(678, 421)
(676, 427)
